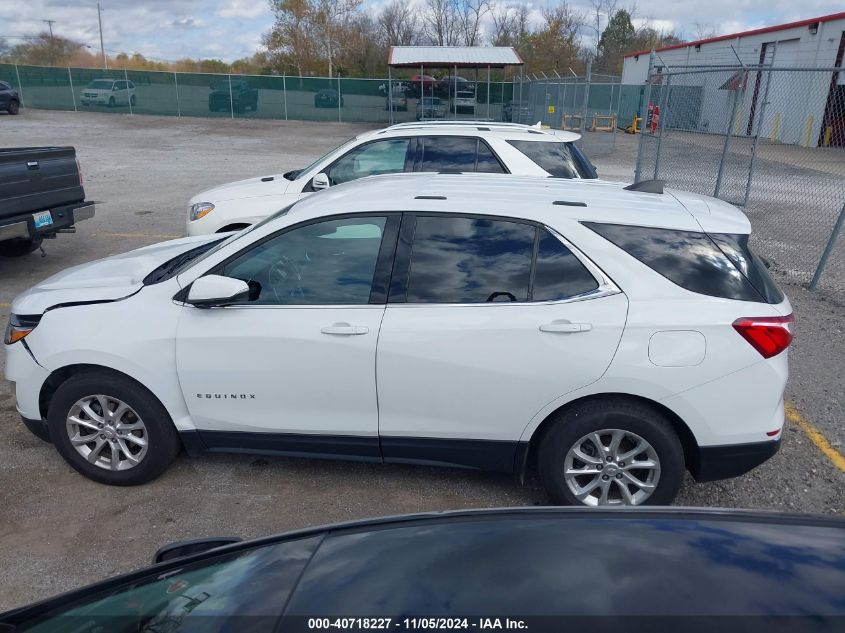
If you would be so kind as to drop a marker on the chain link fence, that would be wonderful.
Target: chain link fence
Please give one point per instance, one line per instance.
(769, 139)
(239, 96)
(595, 105)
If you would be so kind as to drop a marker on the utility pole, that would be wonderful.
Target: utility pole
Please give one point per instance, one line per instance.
(50, 24)
(102, 48)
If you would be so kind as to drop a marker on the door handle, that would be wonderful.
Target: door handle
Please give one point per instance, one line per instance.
(344, 329)
(566, 327)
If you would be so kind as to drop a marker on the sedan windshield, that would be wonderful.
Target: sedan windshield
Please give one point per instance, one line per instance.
(100, 84)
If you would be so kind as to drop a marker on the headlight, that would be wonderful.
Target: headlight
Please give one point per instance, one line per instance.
(19, 327)
(200, 210)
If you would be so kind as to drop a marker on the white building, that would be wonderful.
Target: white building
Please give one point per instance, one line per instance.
(802, 108)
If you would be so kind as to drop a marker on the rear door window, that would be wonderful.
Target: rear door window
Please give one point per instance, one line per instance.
(470, 260)
(689, 259)
(447, 153)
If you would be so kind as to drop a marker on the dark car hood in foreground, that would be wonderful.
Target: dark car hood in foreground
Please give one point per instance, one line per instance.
(627, 569)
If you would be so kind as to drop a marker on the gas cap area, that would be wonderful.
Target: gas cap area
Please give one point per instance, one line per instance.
(677, 348)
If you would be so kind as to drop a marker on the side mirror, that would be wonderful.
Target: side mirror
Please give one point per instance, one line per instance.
(215, 290)
(320, 181)
(187, 548)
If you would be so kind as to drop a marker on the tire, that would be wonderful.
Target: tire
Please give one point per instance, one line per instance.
(132, 101)
(633, 422)
(19, 248)
(111, 102)
(162, 440)
(14, 107)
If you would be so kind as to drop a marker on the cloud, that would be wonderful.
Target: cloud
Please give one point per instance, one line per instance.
(230, 29)
(243, 9)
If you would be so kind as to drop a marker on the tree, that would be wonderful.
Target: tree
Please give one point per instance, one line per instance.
(440, 22)
(555, 46)
(615, 41)
(470, 14)
(330, 18)
(289, 42)
(45, 50)
(398, 24)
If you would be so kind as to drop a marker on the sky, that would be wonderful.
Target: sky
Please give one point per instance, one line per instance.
(230, 29)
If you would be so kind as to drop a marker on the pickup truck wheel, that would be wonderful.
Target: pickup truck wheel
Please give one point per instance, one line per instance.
(611, 453)
(111, 102)
(111, 429)
(19, 248)
(132, 101)
(14, 107)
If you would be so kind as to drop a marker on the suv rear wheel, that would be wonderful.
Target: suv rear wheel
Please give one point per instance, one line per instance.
(111, 429)
(14, 106)
(611, 453)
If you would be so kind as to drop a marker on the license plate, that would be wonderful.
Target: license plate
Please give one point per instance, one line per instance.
(42, 219)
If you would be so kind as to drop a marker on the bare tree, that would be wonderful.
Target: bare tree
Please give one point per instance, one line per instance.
(441, 22)
(398, 25)
(329, 17)
(470, 13)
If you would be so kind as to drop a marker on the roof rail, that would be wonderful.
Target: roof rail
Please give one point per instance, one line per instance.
(647, 186)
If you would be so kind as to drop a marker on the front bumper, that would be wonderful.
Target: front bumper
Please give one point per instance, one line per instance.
(27, 376)
(724, 462)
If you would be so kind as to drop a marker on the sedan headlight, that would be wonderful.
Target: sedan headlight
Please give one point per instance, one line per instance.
(200, 210)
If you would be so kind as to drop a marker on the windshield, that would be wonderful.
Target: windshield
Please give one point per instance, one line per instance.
(295, 173)
(100, 84)
(431, 101)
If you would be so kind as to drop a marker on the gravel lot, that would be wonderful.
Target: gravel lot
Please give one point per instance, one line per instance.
(59, 530)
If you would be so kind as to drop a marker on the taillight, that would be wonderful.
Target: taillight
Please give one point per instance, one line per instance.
(79, 171)
(768, 335)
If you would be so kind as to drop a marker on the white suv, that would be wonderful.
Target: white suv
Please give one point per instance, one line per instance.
(611, 338)
(443, 146)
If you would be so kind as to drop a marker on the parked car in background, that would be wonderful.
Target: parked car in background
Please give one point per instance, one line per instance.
(573, 567)
(237, 95)
(41, 194)
(430, 108)
(423, 84)
(608, 337)
(449, 85)
(398, 86)
(463, 102)
(398, 101)
(460, 146)
(328, 98)
(108, 92)
(10, 100)
(516, 112)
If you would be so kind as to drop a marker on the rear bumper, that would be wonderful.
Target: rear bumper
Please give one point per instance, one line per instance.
(724, 462)
(23, 226)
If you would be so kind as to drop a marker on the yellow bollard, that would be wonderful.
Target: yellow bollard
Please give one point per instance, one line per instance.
(827, 134)
(808, 129)
(775, 128)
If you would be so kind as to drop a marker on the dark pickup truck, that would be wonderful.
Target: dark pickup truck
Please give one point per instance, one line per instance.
(41, 195)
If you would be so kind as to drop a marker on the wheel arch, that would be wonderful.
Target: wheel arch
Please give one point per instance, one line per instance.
(685, 435)
(59, 376)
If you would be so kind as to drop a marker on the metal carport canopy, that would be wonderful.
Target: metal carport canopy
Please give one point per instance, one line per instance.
(449, 56)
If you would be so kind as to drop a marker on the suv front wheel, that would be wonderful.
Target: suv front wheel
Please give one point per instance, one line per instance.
(611, 453)
(111, 429)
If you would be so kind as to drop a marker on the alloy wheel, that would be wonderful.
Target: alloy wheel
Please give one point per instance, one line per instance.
(107, 432)
(612, 467)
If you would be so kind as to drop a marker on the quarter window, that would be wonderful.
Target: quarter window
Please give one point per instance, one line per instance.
(331, 262)
(469, 260)
(558, 273)
(380, 157)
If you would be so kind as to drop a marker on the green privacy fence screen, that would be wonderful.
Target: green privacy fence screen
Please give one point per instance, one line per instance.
(300, 98)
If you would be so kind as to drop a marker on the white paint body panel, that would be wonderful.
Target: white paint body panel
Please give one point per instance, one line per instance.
(480, 372)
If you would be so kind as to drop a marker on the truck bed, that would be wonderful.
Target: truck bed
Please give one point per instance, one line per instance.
(34, 179)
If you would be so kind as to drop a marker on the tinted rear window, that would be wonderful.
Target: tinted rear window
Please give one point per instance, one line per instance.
(448, 153)
(735, 246)
(555, 158)
(691, 260)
